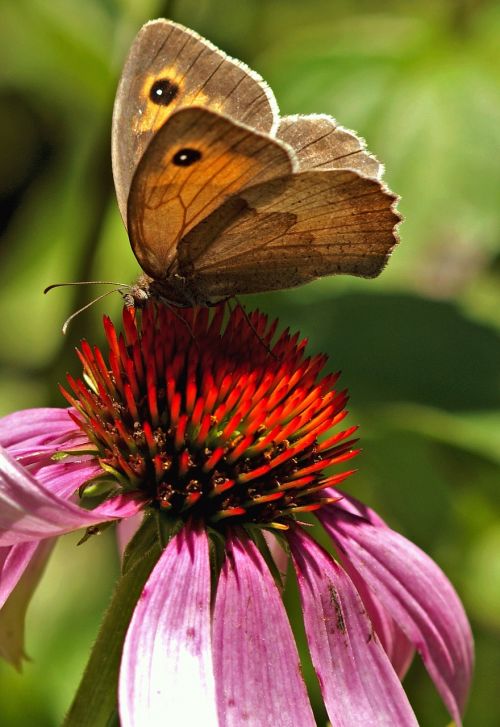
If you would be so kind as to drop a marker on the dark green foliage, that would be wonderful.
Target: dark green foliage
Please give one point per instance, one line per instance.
(419, 347)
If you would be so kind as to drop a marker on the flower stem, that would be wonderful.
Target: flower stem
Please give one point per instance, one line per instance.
(95, 702)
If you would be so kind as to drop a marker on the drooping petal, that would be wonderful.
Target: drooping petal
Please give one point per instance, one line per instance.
(28, 511)
(257, 668)
(414, 590)
(166, 675)
(21, 567)
(399, 649)
(357, 680)
(396, 645)
(36, 426)
(64, 478)
(13, 562)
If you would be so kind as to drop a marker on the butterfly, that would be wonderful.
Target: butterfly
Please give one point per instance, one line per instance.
(220, 195)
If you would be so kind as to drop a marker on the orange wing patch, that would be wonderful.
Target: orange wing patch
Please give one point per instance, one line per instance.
(161, 94)
(158, 97)
(170, 67)
(194, 163)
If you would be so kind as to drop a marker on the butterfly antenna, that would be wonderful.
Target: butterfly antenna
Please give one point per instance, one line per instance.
(88, 305)
(86, 282)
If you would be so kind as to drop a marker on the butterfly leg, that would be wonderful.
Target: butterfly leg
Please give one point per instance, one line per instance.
(250, 324)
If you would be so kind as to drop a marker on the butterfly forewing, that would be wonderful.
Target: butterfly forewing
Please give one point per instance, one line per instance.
(196, 162)
(170, 67)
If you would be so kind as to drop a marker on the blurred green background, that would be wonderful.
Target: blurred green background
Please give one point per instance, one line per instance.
(419, 347)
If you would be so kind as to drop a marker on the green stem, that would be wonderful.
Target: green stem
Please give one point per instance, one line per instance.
(95, 703)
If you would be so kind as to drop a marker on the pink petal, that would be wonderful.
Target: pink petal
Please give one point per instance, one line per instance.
(13, 562)
(38, 426)
(21, 568)
(64, 478)
(119, 506)
(414, 590)
(34, 435)
(257, 667)
(357, 680)
(166, 675)
(125, 531)
(397, 647)
(279, 554)
(29, 511)
(31, 452)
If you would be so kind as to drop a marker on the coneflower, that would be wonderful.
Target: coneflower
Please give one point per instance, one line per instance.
(224, 434)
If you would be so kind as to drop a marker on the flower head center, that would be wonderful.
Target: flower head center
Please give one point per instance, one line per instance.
(198, 418)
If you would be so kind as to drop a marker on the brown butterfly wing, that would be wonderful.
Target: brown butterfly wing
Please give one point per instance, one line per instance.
(291, 230)
(195, 162)
(170, 67)
(320, 143)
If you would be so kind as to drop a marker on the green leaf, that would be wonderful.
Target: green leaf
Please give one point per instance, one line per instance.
(477, 431)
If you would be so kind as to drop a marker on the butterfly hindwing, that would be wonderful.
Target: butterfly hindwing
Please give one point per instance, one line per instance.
(291, 230)
(320, 143)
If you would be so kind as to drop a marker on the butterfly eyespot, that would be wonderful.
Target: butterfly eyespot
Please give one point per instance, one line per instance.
(163, 91)
(186, 157)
